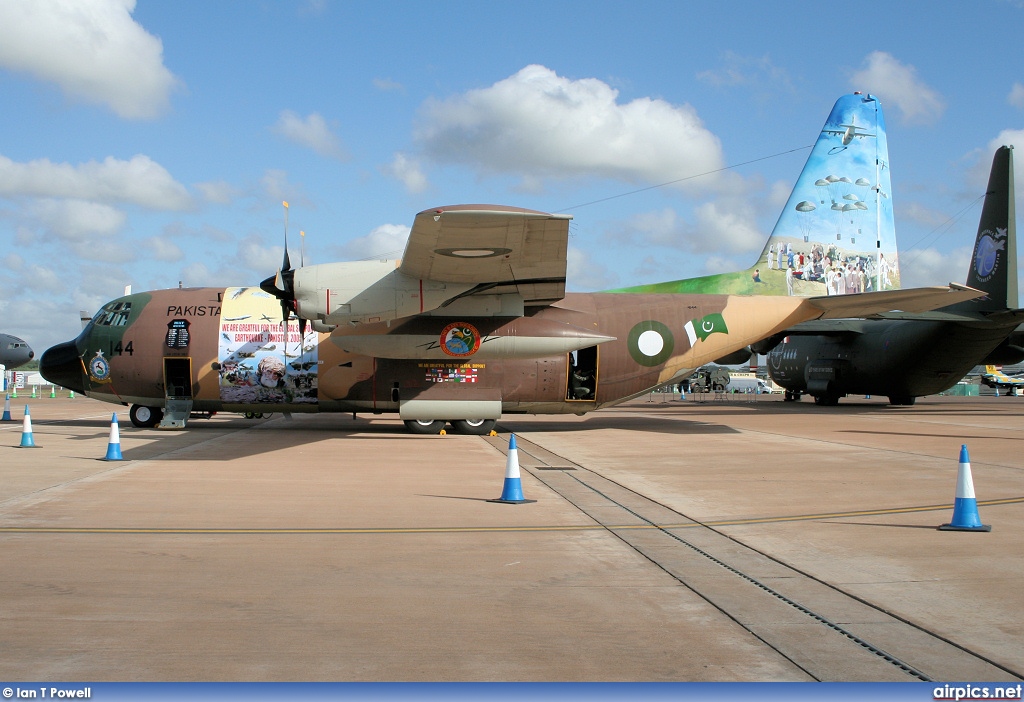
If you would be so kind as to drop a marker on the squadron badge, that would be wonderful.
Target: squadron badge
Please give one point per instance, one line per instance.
(460, 339)
(99, 369)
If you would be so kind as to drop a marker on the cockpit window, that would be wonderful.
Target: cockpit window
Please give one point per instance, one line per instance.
(113, 314)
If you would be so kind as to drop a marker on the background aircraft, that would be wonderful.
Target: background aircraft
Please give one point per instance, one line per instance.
(14, 352)
(473, 322)
(995, 378)
(904, 356)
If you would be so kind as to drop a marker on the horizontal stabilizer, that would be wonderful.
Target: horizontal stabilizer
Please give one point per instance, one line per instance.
(909, 300)
(1006, 316)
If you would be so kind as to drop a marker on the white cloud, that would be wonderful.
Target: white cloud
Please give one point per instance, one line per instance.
(758, 72)
(218, 191)
(277, 188)
(311, 132)
(260, 259)
(583, 273)
(140, 181)
(388, 86)
(922, 267)
(163, 249)
(92, 49)
(1016, 96)
(717, 226)
(898, 84)
(540, 124)
(386, 241)
(76, 220)
(408, 172)
(41, 279)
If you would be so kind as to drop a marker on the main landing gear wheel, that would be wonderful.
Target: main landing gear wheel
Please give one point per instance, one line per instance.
(477, 427)
(903, 400)
(145, 417)
(826, 400)
(424, 426)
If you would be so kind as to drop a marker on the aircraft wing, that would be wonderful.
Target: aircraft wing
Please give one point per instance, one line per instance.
(907, 300)
(493, 247)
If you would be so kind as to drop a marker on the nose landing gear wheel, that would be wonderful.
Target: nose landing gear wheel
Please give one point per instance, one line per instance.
(145, 417)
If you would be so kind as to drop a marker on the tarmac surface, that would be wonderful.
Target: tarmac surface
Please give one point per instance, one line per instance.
(668, 541)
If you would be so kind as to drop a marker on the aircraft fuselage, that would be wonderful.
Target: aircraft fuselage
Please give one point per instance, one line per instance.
(899, 359)
(226, 350)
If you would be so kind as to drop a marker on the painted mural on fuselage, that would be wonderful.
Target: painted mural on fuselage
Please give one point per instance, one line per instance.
(836, 234)
(258, 361)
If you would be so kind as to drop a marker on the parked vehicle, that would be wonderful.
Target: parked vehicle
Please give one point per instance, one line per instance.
(748, 385)
(710, 379)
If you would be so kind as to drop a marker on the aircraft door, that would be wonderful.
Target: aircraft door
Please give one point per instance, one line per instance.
(178, 378)
(582, 382)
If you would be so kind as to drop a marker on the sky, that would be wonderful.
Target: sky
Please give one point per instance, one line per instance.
(152, 144)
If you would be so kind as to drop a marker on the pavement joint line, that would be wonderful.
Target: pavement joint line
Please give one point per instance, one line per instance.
(493, 529)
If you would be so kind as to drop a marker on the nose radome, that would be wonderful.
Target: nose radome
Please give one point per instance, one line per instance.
(61, 365)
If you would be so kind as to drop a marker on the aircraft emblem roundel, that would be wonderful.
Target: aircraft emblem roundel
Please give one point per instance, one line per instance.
(460, 339)
(987, 256)
(99, 369)
(650, 343)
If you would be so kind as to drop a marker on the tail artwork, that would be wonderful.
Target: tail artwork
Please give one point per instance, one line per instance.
(836, 234)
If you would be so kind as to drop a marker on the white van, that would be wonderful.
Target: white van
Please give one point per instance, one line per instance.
(749, 385)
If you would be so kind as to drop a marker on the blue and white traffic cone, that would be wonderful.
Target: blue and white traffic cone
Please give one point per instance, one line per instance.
(114, 446)
(965, 507)
(7, 410)
(512, 490)
(26, 431)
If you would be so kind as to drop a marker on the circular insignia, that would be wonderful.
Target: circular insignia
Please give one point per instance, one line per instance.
(460, 339)
(650, 343)
(99, 369)
(986, 257)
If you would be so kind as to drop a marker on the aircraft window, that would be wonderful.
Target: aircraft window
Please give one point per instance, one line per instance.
(113, 314)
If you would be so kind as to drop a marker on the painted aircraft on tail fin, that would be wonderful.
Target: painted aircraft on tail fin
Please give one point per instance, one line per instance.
(838, 219)
(903, 356)
(472, 323)
(14, 352)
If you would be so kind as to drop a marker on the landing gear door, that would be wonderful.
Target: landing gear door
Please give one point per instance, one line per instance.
(581, 384)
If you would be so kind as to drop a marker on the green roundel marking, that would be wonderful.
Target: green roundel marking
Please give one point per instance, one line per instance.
(650, 343)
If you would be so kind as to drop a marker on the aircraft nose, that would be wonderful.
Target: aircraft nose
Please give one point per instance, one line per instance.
(61, 365)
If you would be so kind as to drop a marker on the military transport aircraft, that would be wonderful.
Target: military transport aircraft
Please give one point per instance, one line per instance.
(472, 323)
(904, 356)
(14, 352)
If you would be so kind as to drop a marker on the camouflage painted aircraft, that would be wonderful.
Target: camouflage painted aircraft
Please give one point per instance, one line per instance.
(14, 352)
(472, 323)
(904, 356)
(996, 378)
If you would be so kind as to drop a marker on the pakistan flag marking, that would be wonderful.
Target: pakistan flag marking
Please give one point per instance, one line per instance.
(704, 327)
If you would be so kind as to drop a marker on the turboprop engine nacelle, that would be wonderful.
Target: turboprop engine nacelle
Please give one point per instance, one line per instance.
(365, 292)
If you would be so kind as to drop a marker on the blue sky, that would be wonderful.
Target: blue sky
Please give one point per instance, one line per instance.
(148, 143)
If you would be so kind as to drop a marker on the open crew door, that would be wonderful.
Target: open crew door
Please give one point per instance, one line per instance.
(177, 392)
(581, 385)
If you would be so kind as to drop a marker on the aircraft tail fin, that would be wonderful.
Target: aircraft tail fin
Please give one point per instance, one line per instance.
(994, 262)
(836, 233)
